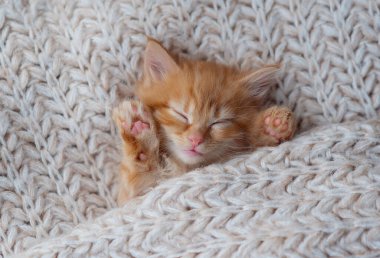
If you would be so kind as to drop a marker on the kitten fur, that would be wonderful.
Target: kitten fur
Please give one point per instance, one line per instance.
(193, 113)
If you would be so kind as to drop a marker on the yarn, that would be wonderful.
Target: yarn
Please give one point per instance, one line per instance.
(65, 64)
(315, 196)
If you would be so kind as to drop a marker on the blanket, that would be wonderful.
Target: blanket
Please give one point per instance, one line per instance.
(64, 64)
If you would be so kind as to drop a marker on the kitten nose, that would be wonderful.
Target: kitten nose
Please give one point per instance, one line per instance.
(195, 139)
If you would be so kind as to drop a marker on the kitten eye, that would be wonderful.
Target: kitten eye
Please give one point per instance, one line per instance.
(221, 122)
(180, 115)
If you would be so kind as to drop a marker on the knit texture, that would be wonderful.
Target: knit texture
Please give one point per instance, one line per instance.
(65, 63)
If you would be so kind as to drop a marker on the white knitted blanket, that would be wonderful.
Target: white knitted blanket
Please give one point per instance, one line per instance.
(65, 63)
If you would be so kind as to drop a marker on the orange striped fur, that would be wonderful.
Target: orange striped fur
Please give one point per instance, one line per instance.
(204, 112)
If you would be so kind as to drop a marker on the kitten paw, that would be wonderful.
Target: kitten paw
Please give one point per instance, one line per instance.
(132, 118)
(279, 123)
(137, 129)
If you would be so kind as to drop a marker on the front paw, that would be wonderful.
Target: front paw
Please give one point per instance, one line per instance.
(137, 128)
(132, 117)
(279, 123)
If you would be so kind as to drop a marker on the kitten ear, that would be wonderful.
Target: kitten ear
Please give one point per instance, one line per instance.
(157, 61)
(261, 80)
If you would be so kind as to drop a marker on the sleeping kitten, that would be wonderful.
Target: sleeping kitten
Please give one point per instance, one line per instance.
(193, 113)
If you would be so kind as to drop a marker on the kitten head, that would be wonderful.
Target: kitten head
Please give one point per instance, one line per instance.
(203, 109)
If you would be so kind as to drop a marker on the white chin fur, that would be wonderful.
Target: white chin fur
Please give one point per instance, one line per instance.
(185, 158)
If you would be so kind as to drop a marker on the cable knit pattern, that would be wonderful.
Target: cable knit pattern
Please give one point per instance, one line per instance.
(65, 63)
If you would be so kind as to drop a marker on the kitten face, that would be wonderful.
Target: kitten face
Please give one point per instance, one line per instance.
(196, 133)
(202, 108)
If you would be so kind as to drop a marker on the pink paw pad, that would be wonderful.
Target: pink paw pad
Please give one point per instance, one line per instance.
(277, 127)
(142, 157)
(136, 127)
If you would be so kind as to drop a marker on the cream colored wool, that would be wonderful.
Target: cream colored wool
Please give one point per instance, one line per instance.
(65, 63)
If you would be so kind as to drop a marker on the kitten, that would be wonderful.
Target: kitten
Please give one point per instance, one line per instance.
(193, 113)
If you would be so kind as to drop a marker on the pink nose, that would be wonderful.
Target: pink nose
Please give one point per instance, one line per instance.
(195, 139)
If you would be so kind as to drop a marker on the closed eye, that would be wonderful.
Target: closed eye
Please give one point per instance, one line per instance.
(180, 115)
(221, 122)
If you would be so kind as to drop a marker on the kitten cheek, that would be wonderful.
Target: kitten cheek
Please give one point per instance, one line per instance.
(223, 134)
(173, 135)
(218, 137)
(218, 133)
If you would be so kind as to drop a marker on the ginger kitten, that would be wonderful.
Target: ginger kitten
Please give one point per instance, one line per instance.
(192, 113)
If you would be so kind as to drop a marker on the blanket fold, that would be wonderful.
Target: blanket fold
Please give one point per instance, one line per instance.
(64, 64)
(314, 196)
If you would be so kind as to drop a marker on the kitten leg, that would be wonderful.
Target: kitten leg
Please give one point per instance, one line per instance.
(140, 161)
(273, 126)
